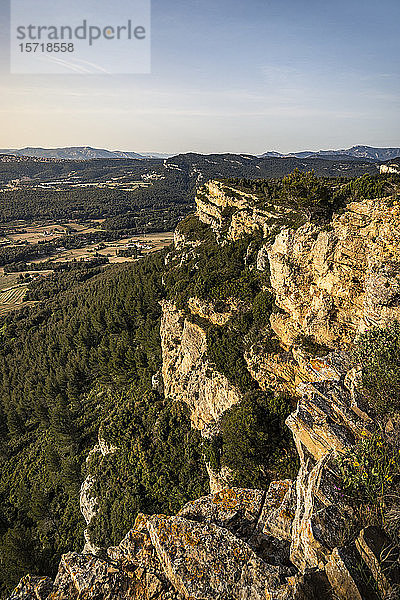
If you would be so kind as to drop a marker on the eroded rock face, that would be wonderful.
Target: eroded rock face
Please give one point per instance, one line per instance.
(368, 569)
(332, 284)
(207, 310)
(32, 588)
(211, 549)
(206, 561)
(188, 375)
(286, 370)
(326, 422)
(235, 509)
(330, 281)
(87, 500)
(232, 212)
(219, 480)
(326, 419)
(290, 542)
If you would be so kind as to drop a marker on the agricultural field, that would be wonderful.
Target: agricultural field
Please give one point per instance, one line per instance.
(14, 285)
(13, 295)
(36, 232)
(148, 243)
(12, 298)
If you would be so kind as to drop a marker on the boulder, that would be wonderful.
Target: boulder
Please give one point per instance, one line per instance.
(32, 588)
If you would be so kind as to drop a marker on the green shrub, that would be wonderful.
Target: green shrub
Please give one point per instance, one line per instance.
(256, 444)
(379, 353)
(225, 351)
(262, 308)
(193, 229)
(211, 449)
(215, 272)
(157, 467)
(369, 473)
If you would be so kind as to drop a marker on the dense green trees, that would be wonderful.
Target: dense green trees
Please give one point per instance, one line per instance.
(255, 442)
(318, 197)
(57, 362)
(157, 466)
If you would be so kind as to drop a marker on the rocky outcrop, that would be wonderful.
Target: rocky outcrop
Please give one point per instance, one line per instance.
(231, 212)
(214, 548)
(297, 540)
(287, 370)
(219, 480)
(332, 281)
(335, 282)
(367, 569)
(208, 310)
(87, 501)
(32, 588)
(188, 375)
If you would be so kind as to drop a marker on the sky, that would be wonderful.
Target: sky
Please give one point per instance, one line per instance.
(226, 76)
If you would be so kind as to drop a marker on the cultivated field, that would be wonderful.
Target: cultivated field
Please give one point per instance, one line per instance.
(13, 286)
(33, 233)
(12, 298)
(151, 243)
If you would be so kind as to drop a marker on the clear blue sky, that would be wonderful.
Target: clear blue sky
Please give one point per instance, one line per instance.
(238, 75)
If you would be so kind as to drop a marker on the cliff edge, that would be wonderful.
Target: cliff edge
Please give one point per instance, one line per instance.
(301, 538)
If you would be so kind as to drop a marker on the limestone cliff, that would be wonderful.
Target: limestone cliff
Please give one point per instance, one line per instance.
(188, 376)
(291, 541)
(331, 281)
(232, 212)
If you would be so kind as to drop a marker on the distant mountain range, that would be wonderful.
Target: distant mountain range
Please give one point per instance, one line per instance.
(353, 153)
(79, 153)
(364, 153)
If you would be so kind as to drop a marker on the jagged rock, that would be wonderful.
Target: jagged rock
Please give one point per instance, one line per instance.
(381, 556)
(200, 554)
(262, 262)
(323, 520)
(232, 212)
(332, 284)
(279, 510)
(207, 310)
(32, 588)
(157, 382)
(286, 370)
(154, 586)
(326, 419)
(225, 507)
(348, 576)
(89, 577)
(136, 549)
(312, 585)
(187, 374)
(290, 542)
(206, 561)
(325, 422)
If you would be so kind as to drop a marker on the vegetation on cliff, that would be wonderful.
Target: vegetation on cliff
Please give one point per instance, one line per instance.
(318, 197)
(81, 362)
(379, 353)
(157, 467)
(63, 363)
